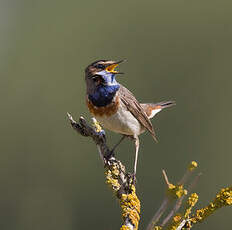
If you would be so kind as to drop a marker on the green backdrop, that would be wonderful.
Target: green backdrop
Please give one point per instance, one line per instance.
(51, 178)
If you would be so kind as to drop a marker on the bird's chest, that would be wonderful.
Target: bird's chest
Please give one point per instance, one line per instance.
(117, 118)
(104, 101)
(104, 111)
(108, 109)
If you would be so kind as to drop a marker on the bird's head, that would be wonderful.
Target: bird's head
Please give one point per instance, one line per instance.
(101, 72)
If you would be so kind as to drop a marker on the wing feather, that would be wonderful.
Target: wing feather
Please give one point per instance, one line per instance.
(136, 109)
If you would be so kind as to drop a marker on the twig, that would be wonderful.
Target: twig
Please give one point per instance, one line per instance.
(166, 201)
(159, 213)
(182, 224)
(165, 177)
(173, 192)
(180, 200)
(222, 199)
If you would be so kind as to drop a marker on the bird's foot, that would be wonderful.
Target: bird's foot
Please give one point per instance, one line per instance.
(108, 157)
(133, 178)
(109, 154)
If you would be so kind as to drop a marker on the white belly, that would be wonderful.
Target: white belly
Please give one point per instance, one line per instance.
(121, 122)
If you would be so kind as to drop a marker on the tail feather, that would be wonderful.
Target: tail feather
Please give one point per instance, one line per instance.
(165, 104)
(152, 109)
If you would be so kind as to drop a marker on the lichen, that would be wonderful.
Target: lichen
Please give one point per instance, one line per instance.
(192, 200)
(176, 191)
(129, 202)
(130, 206)
(223, 198)
(192, 166)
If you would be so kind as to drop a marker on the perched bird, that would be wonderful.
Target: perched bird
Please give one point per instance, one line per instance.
(115, 107)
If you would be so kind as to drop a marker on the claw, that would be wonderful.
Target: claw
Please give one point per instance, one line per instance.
(133, 178)
(109, 155)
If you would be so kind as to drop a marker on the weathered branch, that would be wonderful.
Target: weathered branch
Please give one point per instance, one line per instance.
(174, 192)
(180, 200)
(123, 186)
(164, 205)
(222, 199)
(117, 178)
(187, 220)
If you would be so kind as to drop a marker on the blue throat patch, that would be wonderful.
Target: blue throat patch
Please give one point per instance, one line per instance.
(103, 95)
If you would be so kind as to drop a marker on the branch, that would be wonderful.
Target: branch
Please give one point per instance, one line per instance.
(164, 205)
(222, 199)
(123, 187)
(180, 200)
(186, 220)
(173, 192)
(117, 178)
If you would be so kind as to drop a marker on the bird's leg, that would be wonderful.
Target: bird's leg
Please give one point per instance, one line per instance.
(136, 156)
(117, 144)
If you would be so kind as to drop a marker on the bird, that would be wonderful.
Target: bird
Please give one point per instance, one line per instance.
(115, 107)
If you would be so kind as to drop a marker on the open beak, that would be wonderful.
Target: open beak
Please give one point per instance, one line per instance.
(111, 68)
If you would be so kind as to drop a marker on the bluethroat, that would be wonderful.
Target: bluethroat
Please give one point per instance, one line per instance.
(115, 107)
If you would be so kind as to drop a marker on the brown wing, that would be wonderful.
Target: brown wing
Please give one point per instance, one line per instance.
(136, 109)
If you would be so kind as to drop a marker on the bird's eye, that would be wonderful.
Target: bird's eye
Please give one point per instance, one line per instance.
(100, 66)
(96, 78)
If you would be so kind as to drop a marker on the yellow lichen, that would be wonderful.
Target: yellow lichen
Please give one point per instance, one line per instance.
(192, 166)
(129, 203)
(192, 200)
(157, 228)
(115, 170)
(177, 218)
(176, 191)
(96, 125)
(112, 180)
(124, 227)
(130, 206)
(223, 198)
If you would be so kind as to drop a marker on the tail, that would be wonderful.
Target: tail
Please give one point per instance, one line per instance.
(152, 109)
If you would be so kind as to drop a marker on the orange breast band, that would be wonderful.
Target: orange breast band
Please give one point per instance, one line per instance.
(103, 110)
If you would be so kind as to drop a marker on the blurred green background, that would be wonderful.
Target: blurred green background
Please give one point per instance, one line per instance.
(51, 178)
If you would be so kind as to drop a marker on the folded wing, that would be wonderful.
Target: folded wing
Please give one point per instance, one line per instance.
(136, 109)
